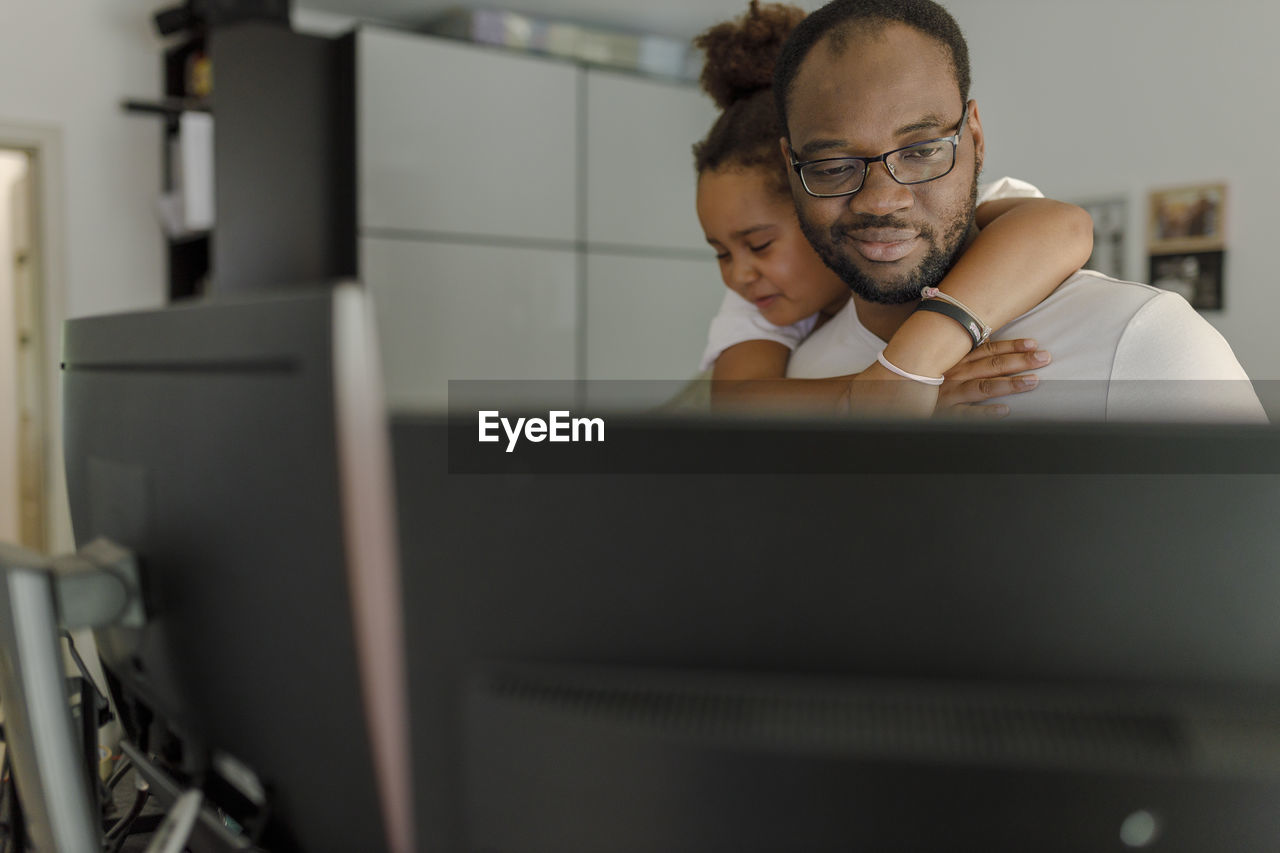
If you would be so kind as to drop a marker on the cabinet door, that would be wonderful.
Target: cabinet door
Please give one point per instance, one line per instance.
(451, 311)
(640, 178)
(462, 139)
(647, 317)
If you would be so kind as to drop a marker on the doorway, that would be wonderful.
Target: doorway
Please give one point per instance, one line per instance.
(23, 411)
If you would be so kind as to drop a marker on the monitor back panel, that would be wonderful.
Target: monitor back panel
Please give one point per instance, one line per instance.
(203, 438)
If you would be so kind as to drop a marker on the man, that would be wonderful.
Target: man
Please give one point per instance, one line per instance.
(859, 83)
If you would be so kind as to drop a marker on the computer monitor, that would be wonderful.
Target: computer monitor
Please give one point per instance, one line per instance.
(901, 637)
(238, 447)
(751, 635)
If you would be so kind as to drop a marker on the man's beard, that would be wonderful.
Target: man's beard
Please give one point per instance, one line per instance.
(931, 269)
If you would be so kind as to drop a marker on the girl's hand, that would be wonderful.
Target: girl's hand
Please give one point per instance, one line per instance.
(989, 371)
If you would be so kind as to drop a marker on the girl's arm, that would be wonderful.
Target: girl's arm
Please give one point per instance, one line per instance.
(748, 376)
(752, 360)
(1026, 248)
(750, 373)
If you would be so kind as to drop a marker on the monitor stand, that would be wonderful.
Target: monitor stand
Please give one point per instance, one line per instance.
(97, 586)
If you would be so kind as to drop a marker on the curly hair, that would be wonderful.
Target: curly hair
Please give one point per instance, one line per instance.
(738, 75)
(840, 18)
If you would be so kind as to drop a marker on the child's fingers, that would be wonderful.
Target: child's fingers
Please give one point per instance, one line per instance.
(1000, 364)
(1001, 347)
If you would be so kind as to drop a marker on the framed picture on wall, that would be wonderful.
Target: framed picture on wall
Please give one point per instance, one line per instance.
(1187, 219)
(1197, 276)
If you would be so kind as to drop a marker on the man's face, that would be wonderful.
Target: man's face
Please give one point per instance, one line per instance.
(882, 91)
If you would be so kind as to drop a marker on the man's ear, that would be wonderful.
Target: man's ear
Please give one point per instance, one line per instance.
(979, 141)
(784, 146)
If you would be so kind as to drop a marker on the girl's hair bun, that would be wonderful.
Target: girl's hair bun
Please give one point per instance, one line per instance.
(740, 54)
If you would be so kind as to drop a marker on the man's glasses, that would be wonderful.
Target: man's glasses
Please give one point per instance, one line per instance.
(912, 164)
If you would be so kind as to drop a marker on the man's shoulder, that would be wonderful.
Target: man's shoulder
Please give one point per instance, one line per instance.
(1088, 310)
(1129, 310)
(1104, 327)
(1109, 293)
(1136, 346)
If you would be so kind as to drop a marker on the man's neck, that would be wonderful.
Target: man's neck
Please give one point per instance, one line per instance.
(882, 320)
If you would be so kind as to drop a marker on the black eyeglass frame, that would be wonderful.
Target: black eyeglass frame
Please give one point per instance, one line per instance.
(954, 139)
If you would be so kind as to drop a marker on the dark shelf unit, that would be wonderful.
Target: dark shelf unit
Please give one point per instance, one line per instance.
(188, 256)
(284, 158)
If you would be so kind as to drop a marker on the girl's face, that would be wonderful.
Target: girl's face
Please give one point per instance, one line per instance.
(763, 255)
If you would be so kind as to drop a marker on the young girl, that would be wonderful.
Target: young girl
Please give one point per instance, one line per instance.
(781, 291)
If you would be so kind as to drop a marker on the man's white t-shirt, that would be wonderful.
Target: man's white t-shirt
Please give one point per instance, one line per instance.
(1122, 351)
(738, 320)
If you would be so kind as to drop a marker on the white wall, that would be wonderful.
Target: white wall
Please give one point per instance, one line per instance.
(69, 64)
(65, 67)
(1101, 97)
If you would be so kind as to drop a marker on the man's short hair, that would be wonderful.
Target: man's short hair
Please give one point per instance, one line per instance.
(840, 19)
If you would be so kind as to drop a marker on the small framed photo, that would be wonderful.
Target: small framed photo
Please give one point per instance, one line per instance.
(1197, 276)
(1187, 219)
(1110, 224)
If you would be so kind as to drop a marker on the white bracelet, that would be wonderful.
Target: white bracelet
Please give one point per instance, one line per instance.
(914, 377)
